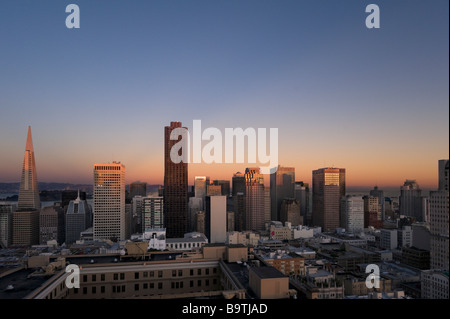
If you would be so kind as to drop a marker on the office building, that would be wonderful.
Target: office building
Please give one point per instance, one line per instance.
(109, 202)
(378, 193)
(213, 190)
(434, 284)
(26, 218)
(443, 168)
(281, 187)
(301, 193)
(224, 185)
(52, 224)
(352, 210)
(216, 218)
(240, 219)
(152, 212)
(328, 189)
(372, 212)
(254, 199)
(388, 239)
(405, 236)
(138, 189)
(68, 195)
(175, 187)
(6, 224)
(411, 200)
(290, 212)
(78, 219)
(238, 183)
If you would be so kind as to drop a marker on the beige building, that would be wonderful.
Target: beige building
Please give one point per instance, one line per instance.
(268, 283)
(26, 227)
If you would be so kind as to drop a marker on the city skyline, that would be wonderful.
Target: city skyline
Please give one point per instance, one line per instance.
(341, 95)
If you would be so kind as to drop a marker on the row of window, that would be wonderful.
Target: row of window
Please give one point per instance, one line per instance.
(151, 274)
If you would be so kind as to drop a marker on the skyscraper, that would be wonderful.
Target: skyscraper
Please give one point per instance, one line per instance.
(109, 201)
(138, 189)
(216, 218)
(6, 224)
(301, 193)
(439, 221)
(352, 214)
(238, 183)
(152, 212)
(281, 187)
(378, 193)
(410, 200)
(254, 199)
(175, 187)
(26, 218)
(52, 224)
(328, 189)
(78, 219)
(29, 191)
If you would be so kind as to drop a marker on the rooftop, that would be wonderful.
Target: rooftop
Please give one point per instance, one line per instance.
(267, 272)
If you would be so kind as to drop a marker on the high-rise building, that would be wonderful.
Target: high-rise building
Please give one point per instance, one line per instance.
(238, 183)
(443, 175)
(152, 212)
(267, 212)
(372, 213)
(281, 187)
(216, 218)
(6, 224)
(52, 224)
(328, 189)
(68, 195)
(138, 189)
(239, 212)
(195, 205)
(78, 219)
(254, 199)
(29, 191)
(378, 193)
(175, 188)
(352, 214)
(200, 186)
(290, 212)
(109, 201)
(301, 193)
(224, 186)
(136, 212)
(439, 221)
(410, 200)
(26, 218)
(214, 190)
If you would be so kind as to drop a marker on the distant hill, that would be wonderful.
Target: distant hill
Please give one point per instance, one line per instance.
(14, 187)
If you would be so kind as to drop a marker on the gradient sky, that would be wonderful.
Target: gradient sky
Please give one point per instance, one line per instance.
(375, 102)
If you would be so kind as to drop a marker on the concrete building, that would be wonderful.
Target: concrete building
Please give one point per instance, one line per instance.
(434, 284)
(254, 199)
(410, 200)
(268, 283)
(439, 229)
(152, 212)
(443, 169)
(224, 185)
(200, 187)
(281, 187)
(195, 205)
(352, 214)
(302, 195)
(405, 236)
(78, 219)
(138, 189)
(328, 189)
(421, 235)
(388, 239)
(190, 241)
(52, 224)
(290, 212)
(216, 219)
(288, 264)
(246, 238)
(6, 224)
(109, 201)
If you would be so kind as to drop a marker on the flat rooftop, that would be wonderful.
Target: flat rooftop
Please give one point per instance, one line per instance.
(22, 282)
(267, 272)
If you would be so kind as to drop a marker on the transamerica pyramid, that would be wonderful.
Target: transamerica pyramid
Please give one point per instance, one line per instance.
(29, 192)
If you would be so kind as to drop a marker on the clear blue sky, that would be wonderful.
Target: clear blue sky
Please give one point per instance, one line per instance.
(339, 93)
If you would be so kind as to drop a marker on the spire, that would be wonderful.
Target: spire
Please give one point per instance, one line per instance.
(29, 146)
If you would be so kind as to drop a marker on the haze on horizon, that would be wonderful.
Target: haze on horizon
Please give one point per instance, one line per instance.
(375, 102)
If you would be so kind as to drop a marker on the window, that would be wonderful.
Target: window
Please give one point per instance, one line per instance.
(122, 276)
(84, 278)
(160, 285)
(199, 271)
(152, 274)
(84, 290)
(145, 286)
(145, 274)
(207, 271)
(199, 283)
(136, 275)
(207, 282)
(191, 272)
(152, 285)
(180, 272)
(123, 288)
(160, 273)
(116, 276)
(136, 287)
(174, 273)
(94, 277)
(94, 289)
(191, 283)
(102, 289)
(102, 277)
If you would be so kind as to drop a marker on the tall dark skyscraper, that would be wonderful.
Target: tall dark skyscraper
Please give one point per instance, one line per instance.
(138, 189)
(328, 189)
(238, 184)
(281, 187)
(175, 188)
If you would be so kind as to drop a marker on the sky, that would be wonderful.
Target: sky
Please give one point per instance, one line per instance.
(373, 101)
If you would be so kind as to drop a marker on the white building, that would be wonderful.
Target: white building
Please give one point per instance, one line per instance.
(434, 284)
(190, 241)
(405, 237)
(152, 212)
(388, 239)
(109, 201)
(352, 210)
